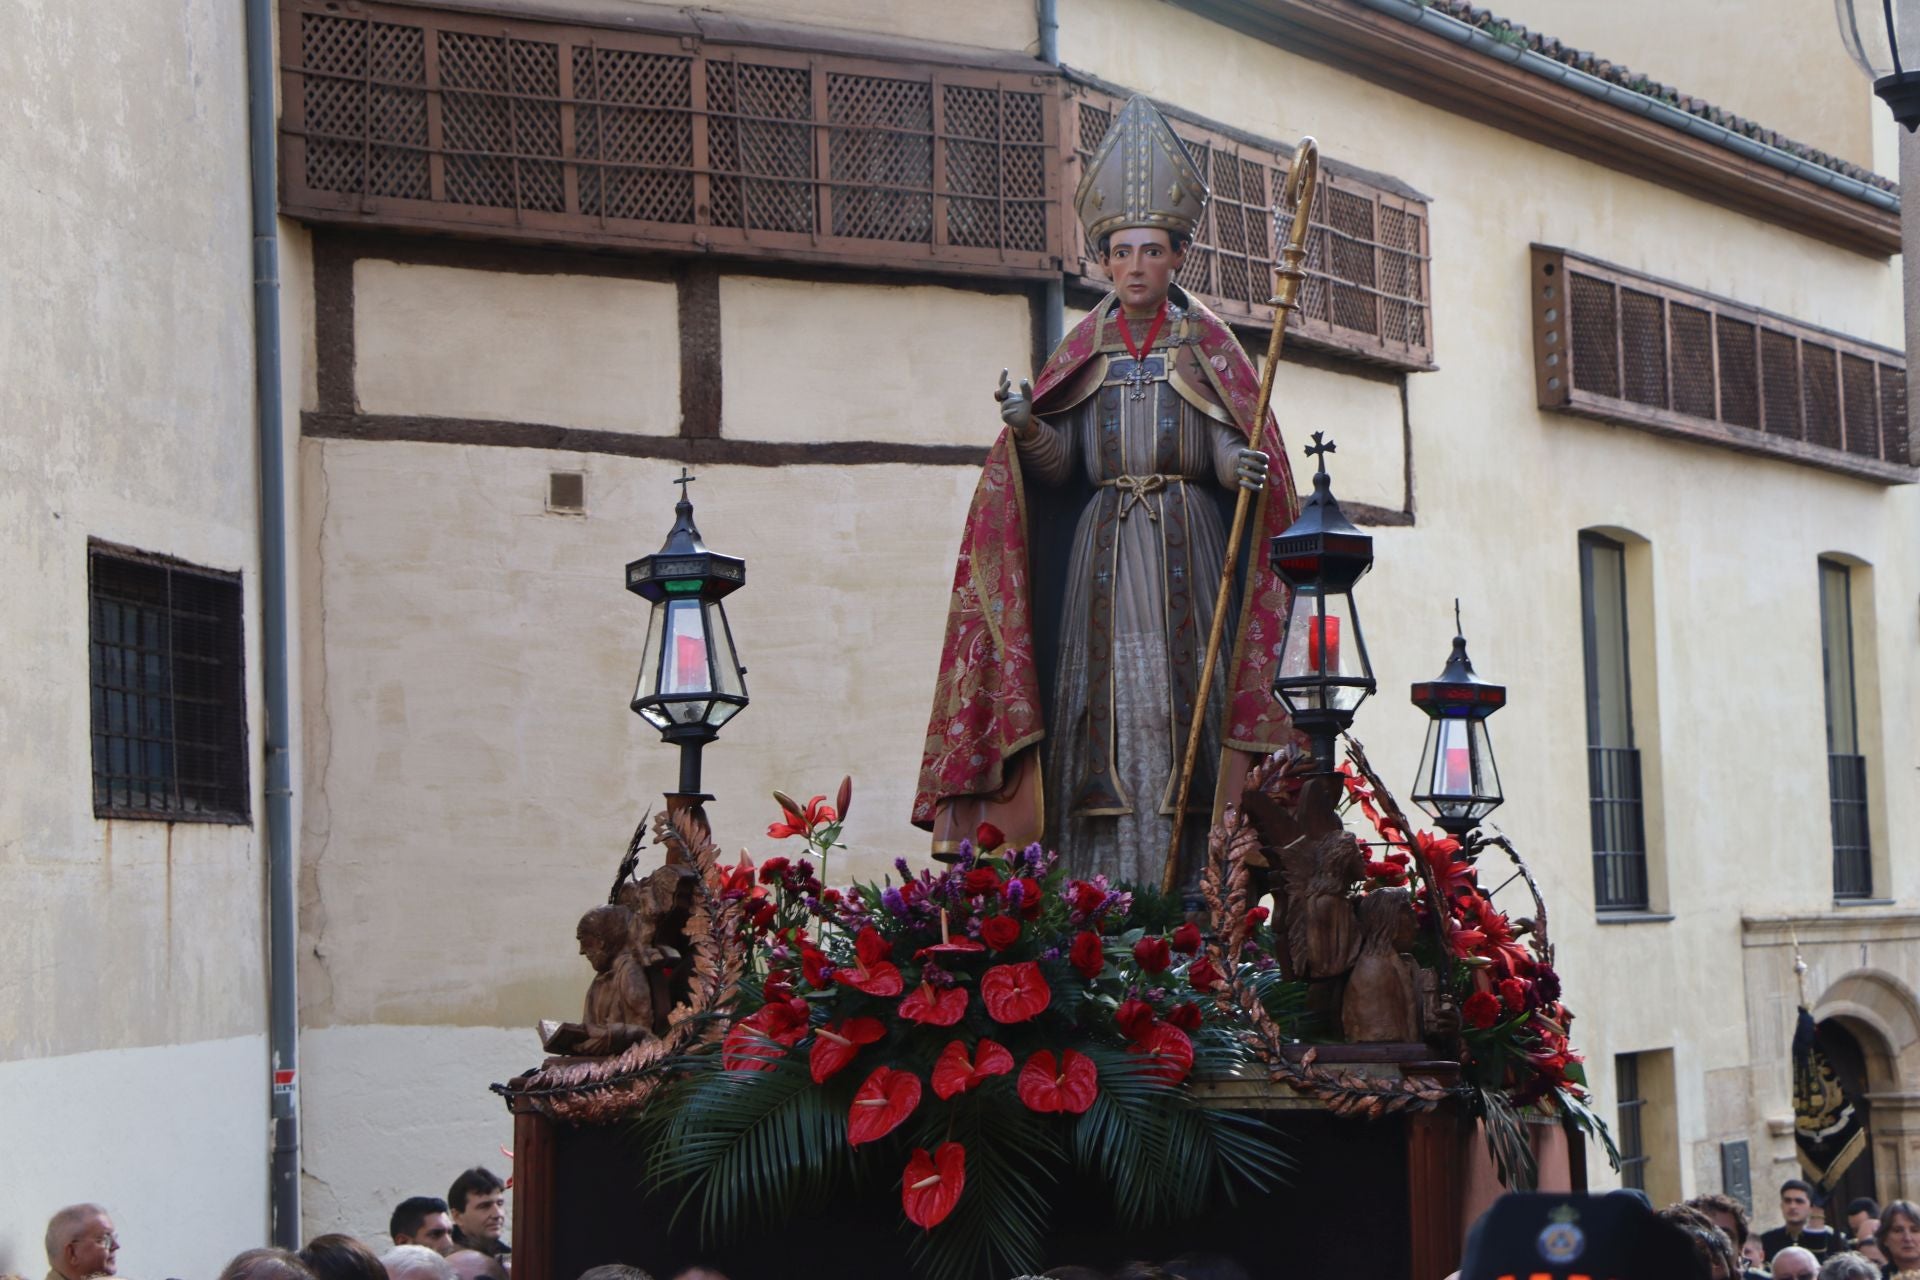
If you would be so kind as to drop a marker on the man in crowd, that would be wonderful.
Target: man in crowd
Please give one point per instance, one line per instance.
(1795, 1263)
(1727, 1214)
(479, 1201)
(1796, 1206)
(81, 1243)
(423, 1220)
(471, 1264)
(415, 1262)
(1863, 1217)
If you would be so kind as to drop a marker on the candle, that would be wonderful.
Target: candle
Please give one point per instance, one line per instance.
(1321, 630)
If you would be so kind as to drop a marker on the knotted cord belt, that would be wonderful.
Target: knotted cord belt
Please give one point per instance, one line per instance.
(1134, 491)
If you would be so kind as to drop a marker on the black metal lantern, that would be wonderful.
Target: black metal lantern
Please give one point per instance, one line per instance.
(691, 681)
(1458, 783)
(1324, 672)
(1883, 36)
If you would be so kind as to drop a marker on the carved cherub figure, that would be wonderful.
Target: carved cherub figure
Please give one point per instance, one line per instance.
(1319, 868)
(1382, 996)
(619, 1008)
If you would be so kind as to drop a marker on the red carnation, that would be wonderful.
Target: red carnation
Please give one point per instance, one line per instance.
(981, 881)
(1257, 917)
(1134, 1018)
(1014, 992)
(772, 869)
(933, 1006)
(1186, 939)
(956, 1073)
(1171, 1050)
(1152, 954)
(1069, 1087)
(1513, 993)
(1000, 932)
(1184, 1016)
(1086, 955)
(932, 1184)
(882, 1103)
(1203, 975)
(987, 837)
(1481, 1010)
(761, 914)
(835, 1045)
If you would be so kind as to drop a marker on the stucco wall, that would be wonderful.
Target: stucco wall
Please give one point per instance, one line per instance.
(131, 980)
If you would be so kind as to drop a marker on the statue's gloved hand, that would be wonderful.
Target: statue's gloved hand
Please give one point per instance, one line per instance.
(1016, 405)
(1252, 470)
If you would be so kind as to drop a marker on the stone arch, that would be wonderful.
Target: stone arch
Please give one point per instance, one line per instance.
(1884, 1016)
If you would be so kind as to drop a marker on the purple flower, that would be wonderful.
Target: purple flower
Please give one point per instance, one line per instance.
(1051, 953)
(934, 975)
(893, 902)
(1015, 892)
(906, 872)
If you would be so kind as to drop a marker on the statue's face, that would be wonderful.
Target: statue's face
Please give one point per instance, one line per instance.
(596, 946)
(1142, 262)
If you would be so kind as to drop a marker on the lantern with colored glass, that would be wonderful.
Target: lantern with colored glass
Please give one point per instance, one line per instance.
(1458, 783)
(691, 681)
(1324, 672)
(1883, 36)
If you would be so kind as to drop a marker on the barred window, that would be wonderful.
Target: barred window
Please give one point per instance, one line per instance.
(1613, 344)
(169, 693)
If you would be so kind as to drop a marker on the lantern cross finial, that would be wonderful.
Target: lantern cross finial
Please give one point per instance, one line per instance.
(1457, 629)
(1320, 448)
(684, 479)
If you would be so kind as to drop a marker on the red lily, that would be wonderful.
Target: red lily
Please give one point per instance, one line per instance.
(735, 880)
(933, 1006)
(818, 814)
(1171, 1050)
(954, 1073)
(881, 1104)
(835, 1045)
(1069, 1087)
(746, 1047)
(1450, 874)
(873, 972)
(1014, 992)
(932, 1184)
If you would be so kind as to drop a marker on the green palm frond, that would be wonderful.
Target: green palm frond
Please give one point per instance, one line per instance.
(1585, 1117)
(1000, 1221)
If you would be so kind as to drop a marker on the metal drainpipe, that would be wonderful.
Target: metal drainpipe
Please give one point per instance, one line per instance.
(283, 1030)
(1056, 300)
(1417, 14)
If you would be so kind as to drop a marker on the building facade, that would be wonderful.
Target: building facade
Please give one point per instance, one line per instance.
(1633, 390)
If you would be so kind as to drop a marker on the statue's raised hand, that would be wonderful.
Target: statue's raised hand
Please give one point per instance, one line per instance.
(1016, 405)
(1252, 470)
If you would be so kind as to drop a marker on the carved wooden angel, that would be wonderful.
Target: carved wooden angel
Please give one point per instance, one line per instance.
(1382, 996)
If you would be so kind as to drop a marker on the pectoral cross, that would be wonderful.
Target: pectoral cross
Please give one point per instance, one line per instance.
(1137, 381)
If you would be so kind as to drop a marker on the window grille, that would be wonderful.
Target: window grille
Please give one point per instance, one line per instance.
(1613, 344)
(169, 717)
(408, 116)
(1630, 1127)
(1366, 291)
(1616, 805)
(1846, 766)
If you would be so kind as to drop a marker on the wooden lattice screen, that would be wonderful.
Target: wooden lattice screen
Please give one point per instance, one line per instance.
(1366, 292)
(397, 115)
(1614, 344)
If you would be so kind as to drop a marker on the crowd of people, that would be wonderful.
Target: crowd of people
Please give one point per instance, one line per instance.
(1864, 1242)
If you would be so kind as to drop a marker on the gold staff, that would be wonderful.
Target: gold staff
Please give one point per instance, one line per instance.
(1288, 275)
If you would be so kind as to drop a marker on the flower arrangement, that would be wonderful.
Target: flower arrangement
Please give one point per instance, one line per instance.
(974, 1032)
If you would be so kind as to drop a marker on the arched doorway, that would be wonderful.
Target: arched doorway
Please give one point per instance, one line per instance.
(1849, 1062)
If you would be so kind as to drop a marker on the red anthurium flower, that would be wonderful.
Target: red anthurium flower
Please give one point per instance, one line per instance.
(1481, 1010)
(955, 1073)
(813, 965)
(779, 985)
(1134, 1018)
(875, 973)
(980, 881)
(932, 1184)
(835, 1045)
(1184, 1016)
(886, 1099)
(1068, 1086)
(1186, 939)
(1000, 932)
(987, 837)
(1086, 955)
(1152, 954)
(933, 1006)
(1203, 975)
(1014, 992)
(746, 1047)
(1172, 1051)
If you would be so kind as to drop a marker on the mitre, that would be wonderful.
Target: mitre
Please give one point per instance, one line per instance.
(1140, 176)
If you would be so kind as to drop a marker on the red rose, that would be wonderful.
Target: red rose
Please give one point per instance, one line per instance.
(1481, 1010)
(1152, 954)
(1513, 993)
(931, 1184)
(1134, 1018)
(1203, 975)
(1028, 897)
(1086, 897)
(1000, 932)
(982, 880)
(1256, 918)
(1069, 1086)
(987, 837)
(1186, 939)
(1086, 955)
(1014, 992)
(1184, 1016)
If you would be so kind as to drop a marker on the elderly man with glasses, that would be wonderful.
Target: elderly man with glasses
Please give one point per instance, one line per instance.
(81, 1243)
